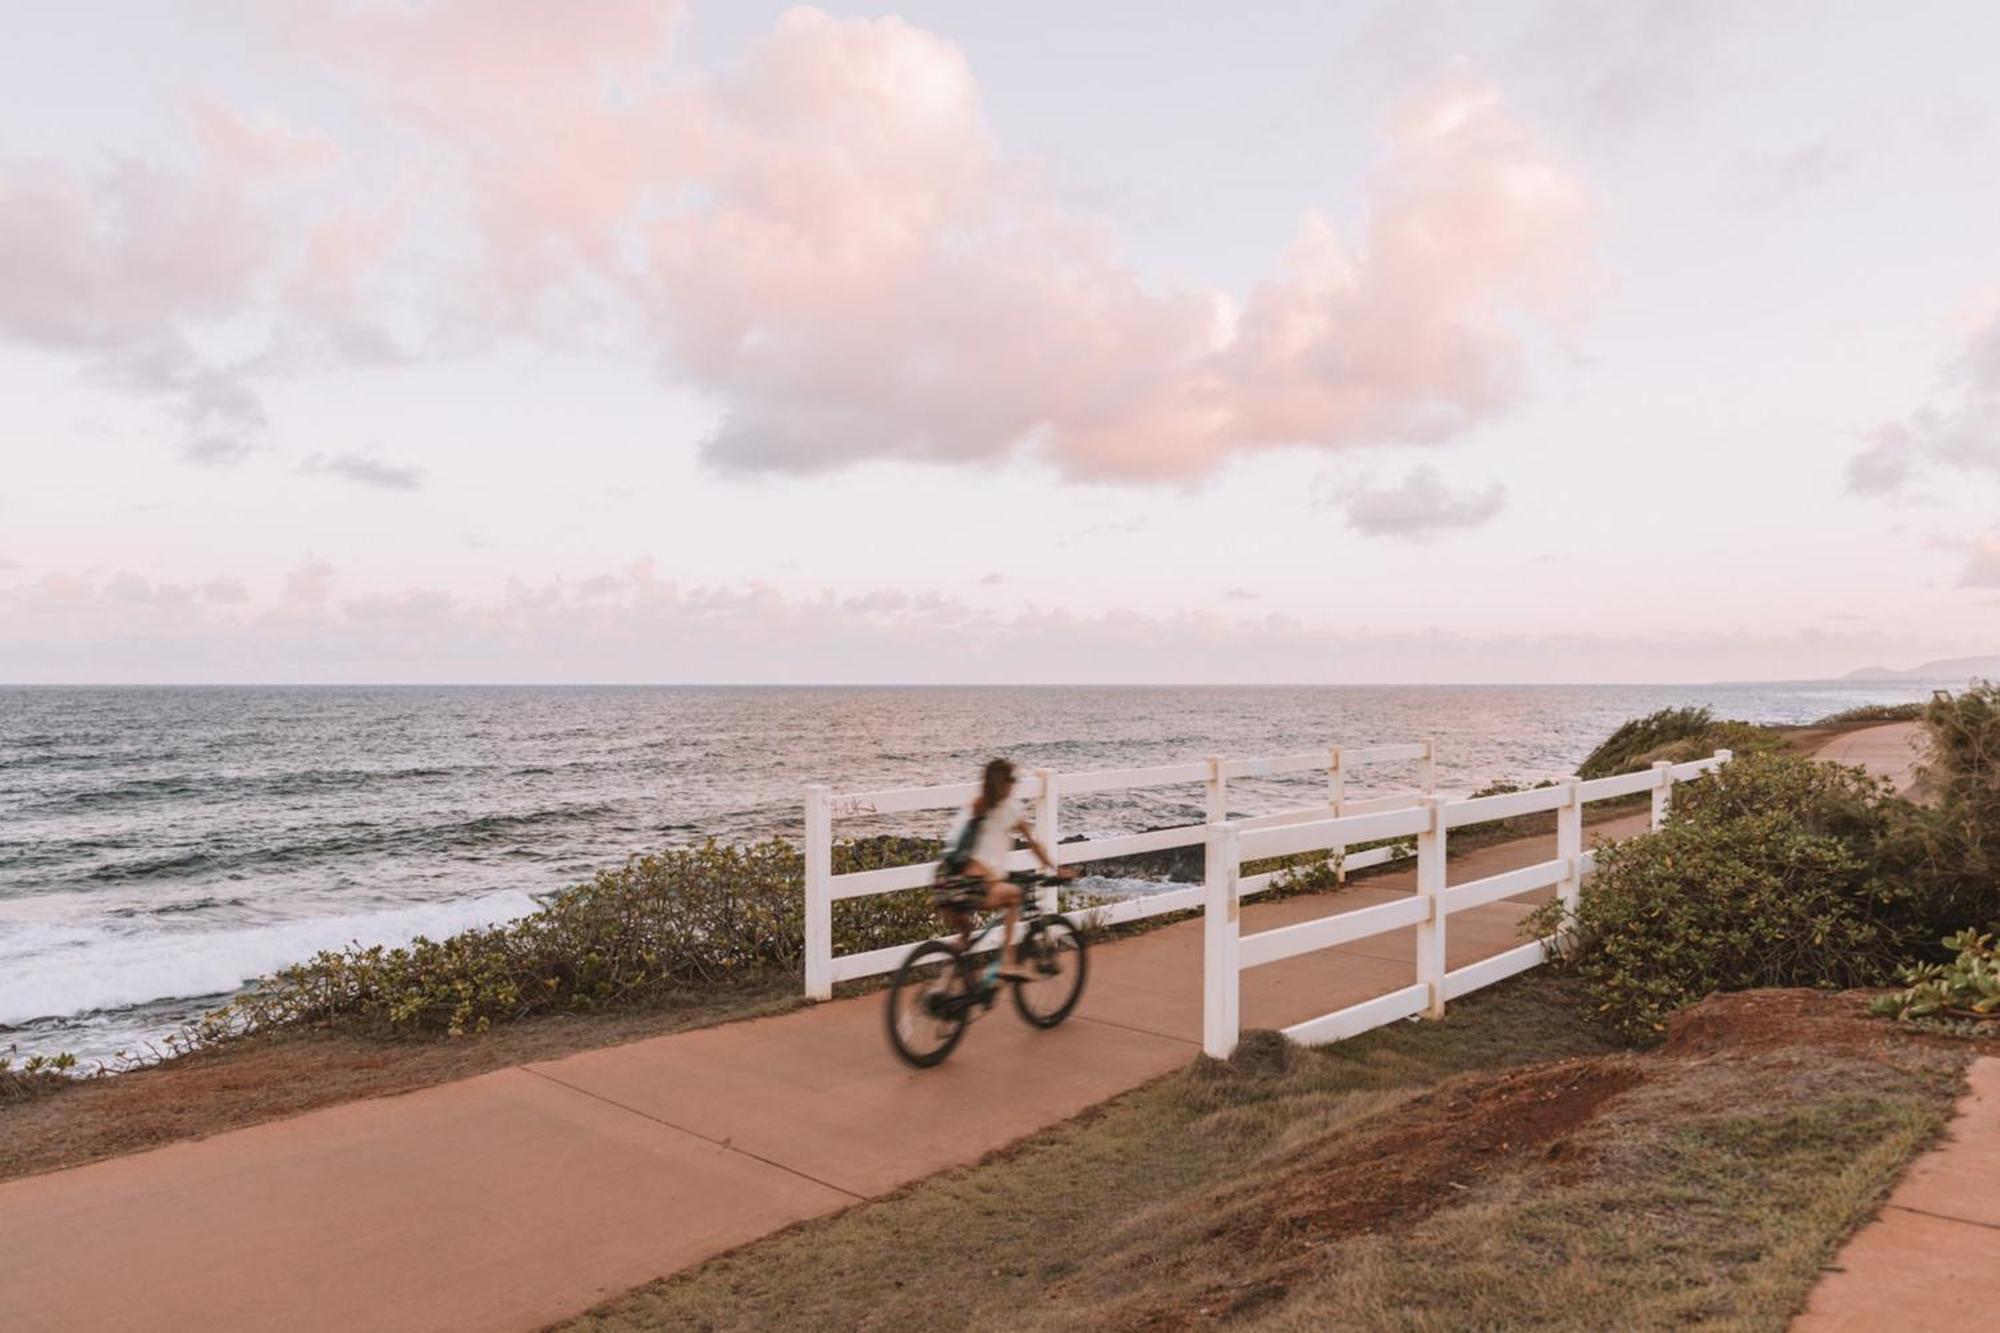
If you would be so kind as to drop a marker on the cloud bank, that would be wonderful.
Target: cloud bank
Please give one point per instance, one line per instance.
(633, 625)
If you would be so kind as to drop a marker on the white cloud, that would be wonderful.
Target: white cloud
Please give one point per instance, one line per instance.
(1961, 434)
(1419, 507)
(366, 470)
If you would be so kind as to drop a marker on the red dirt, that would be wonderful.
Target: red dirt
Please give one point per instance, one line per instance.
(1427, 1154)
(1796, 1019)
(1763, 1019)
(1438, 1144)
(1433, 1150)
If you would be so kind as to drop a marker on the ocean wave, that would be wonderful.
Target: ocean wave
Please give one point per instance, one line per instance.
(1114, 887)
(49, 971)
(206, 787)
(362, 839)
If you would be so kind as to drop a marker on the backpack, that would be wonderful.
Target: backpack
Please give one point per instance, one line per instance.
(960, 852)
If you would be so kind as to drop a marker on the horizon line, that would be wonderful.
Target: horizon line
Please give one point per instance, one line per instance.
(952, 685)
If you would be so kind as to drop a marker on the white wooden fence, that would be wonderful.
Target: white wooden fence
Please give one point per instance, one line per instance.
(1045, 790)
(1226, 951)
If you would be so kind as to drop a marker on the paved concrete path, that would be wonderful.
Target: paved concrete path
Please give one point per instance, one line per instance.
(1892, 751)
(1931, 1258)
(526, 1195)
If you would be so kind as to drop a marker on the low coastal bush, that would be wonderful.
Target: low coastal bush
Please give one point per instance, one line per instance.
(692, 917)
(1778, 871)
(1770, 872)
(1676, 735)
(1626, 748)
(1966, 990)
(35, 1076)
(1955, 845)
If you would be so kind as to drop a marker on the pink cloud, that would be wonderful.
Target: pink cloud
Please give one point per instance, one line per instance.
(1982, 564)
(120, 264)
(903, 293)
(556, 116)
(832, 245)
(826, 240)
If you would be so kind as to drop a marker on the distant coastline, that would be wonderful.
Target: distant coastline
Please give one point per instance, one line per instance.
(1949, 670)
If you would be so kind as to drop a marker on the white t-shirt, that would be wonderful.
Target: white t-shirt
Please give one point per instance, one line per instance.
(996, 834)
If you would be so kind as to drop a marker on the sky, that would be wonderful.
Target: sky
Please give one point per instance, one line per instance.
(636, 341)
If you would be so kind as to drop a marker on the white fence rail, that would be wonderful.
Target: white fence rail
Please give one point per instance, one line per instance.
(1045, 789)
(1226, 951)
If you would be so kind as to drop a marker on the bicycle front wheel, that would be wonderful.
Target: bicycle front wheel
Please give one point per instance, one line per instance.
(1054, 956)
(928, 1005)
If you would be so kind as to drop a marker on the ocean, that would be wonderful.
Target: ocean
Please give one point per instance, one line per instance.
(159, 847)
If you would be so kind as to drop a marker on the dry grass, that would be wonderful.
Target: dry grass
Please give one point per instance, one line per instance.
(1427, 1176)
(273, 1075)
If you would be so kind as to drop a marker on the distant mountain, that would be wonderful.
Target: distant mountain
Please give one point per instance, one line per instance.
(1949, 668)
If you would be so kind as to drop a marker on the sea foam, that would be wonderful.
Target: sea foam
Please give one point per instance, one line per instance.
(55, 971)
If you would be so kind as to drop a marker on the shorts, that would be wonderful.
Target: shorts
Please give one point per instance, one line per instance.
(958, 893)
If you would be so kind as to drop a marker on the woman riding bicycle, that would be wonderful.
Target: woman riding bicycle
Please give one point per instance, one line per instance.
(978, 848)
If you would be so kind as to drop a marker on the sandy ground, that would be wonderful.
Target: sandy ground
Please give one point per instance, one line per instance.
(1894, 752)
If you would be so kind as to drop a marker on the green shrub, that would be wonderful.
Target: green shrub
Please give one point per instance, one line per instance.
(1953, 844)
(703, 916)
(1630, 746)
(1675, 735)
(1769, 873)
(1967, 988)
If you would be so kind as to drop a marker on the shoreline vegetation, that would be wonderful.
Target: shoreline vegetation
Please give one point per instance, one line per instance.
(689, 936)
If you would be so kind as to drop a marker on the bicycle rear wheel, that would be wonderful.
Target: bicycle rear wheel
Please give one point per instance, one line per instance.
(928, 1005)
(1054, 954)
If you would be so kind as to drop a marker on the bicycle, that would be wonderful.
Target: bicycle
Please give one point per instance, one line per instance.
(941, 986)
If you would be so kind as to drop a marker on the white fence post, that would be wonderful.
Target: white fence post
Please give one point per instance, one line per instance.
(1221, 977)
(1336, 796)
(819, 891)
(1218, 791)
(1430, 884)
(1569, 849)
(1047, 830)
(1663, 788)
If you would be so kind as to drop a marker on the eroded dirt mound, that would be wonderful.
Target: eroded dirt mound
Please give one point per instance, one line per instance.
(1414, 1160)
(1436, 1146)
(1762, 1019)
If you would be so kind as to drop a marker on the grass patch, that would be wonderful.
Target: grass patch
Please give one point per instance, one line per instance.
(1658, 1190)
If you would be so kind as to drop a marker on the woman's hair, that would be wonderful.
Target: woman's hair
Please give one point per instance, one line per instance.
(994, 784)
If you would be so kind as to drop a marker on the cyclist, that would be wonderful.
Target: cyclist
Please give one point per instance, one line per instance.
(978, 847)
